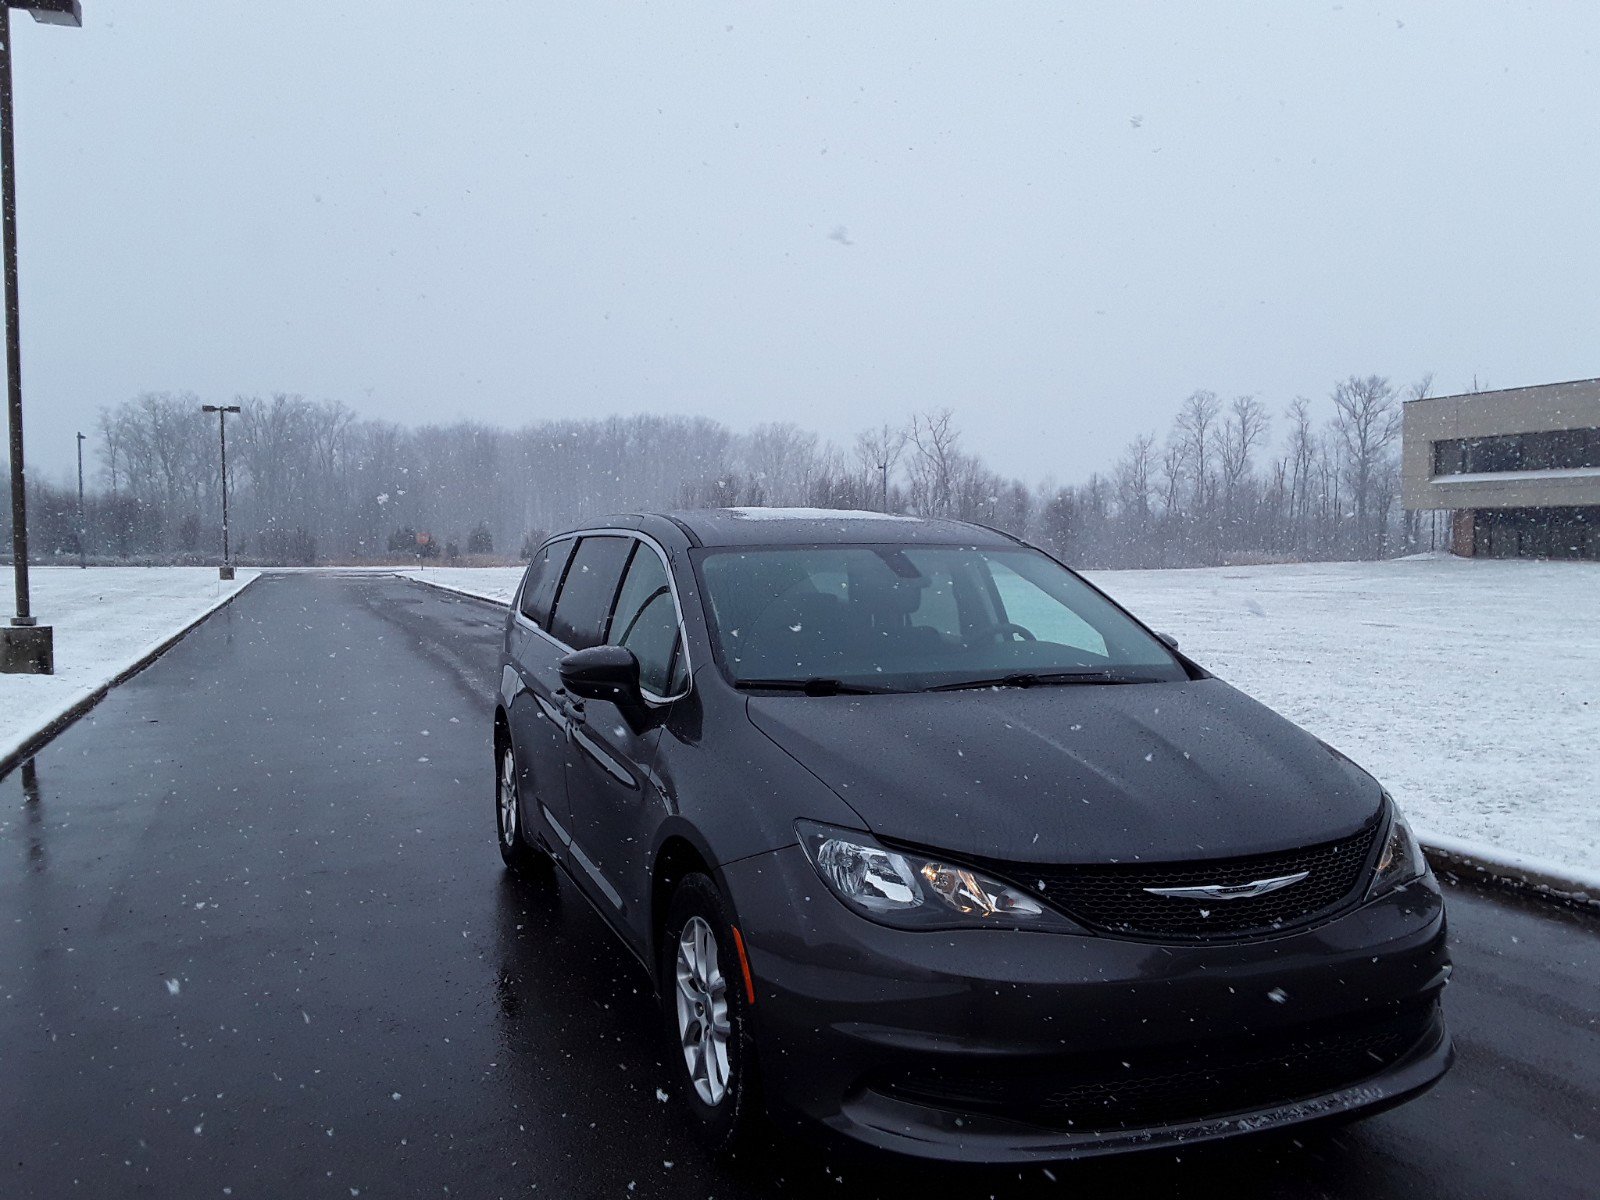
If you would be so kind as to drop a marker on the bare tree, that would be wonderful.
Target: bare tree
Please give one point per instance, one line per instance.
(782, 460)
(1133, 481)
(1302, 451)
(1058, 526)
(1274, 506)
(167, 457)
(1174, 462)
(935, 439)
(1196, 426)
(113, 428)
(1243, 431)
(1366, 421)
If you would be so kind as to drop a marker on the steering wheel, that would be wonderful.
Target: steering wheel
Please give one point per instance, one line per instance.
(1003, 630)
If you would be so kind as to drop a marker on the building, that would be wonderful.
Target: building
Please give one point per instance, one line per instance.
(1519, 469)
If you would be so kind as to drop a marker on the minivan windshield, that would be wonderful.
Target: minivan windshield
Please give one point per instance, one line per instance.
(914, 617)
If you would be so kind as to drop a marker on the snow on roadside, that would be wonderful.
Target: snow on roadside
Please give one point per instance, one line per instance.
(1471, 688)
(498, 584)
(105, 620)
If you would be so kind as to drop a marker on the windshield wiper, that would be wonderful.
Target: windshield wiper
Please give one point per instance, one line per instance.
(815, 686)
(1025, 679)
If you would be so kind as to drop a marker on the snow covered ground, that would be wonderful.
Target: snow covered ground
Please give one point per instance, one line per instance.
(1471, 688)
(105, 620)
(488, 583)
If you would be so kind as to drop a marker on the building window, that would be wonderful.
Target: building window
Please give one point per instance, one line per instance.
(1449, 457)
(1556, 450)
(1537, 533)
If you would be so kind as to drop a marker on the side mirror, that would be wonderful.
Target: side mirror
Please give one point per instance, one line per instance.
(1172, 642)
(602, 673)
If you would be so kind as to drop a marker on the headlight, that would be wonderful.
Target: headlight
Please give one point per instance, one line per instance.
(902, 888)
(1401, 860)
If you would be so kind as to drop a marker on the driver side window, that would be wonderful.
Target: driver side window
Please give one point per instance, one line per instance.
(646, 622)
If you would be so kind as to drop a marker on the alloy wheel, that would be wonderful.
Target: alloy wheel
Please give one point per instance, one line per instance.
(507, 799)
(704, 1027)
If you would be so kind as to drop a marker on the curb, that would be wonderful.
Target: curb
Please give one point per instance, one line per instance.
(37, 740)
(1545, 880)
(1536, 877)
(455, 591)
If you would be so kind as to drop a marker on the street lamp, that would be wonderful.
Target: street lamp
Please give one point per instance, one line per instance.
(222, 410)
(26, 647)
(83, 525)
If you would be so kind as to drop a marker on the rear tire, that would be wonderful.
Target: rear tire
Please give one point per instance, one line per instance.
(704, 1007)
(516, 851)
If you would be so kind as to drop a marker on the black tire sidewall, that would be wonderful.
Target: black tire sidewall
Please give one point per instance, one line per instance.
(721, 1125)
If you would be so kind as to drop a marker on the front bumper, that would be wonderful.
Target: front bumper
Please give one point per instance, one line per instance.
(988, 1045)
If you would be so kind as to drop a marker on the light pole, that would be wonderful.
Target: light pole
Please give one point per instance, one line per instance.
(26, 647)
(222, 410)
(885, 449)
(83, 526)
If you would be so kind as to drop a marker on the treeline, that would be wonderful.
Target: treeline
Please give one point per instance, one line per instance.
(309, 482)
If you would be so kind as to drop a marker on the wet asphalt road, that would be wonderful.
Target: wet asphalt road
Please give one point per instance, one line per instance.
(255, 941)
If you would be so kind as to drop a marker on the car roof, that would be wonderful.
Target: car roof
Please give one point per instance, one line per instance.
(756, 526)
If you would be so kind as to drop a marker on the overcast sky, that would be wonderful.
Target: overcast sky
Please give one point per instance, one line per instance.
(1056, 219)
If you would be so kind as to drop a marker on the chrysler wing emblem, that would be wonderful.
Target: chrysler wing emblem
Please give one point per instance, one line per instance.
(1234, 891)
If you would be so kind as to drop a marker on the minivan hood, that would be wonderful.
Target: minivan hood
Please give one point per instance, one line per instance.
(1139, 772)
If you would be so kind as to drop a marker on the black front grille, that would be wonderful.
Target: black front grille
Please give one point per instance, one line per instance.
(1133, 1090)
(1112, 898)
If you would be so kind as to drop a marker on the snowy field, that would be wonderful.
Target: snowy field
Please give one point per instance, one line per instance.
(1471, 688)
(105, 619)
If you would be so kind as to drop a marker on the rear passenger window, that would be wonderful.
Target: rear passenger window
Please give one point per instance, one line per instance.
(646, 621)
(584, 600)
(544, 576)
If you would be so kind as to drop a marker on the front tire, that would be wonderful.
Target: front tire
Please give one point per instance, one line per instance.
(516, 851)
(703, 995)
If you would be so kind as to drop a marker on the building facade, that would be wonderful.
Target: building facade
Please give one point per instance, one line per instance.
(1518, 469)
